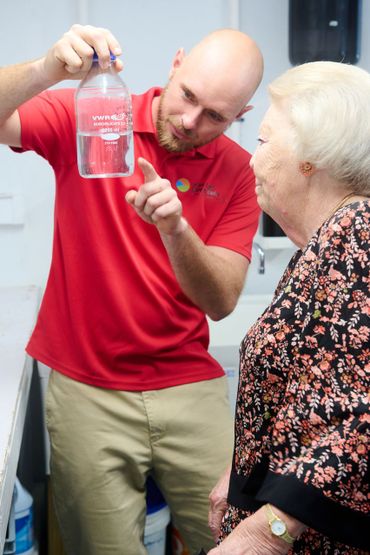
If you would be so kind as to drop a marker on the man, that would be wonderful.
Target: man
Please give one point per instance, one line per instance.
(137, 264)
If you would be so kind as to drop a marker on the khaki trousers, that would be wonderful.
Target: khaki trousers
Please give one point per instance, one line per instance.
(105, 442)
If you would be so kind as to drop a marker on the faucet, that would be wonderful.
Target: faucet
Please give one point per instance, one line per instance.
(261, 254)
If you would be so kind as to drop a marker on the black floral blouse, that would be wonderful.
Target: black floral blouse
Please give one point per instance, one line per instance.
(302, 414)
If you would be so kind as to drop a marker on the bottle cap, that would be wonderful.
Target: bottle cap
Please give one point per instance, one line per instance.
(96, 57)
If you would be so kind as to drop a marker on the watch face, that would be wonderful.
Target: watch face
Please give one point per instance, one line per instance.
(278, 527)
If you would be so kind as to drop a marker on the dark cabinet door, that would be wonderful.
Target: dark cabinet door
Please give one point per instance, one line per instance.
(324, 30)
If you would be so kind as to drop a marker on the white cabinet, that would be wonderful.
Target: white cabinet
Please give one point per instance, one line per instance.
(232, 329)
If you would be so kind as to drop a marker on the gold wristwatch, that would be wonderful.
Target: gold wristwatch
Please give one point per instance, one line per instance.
(277, 526)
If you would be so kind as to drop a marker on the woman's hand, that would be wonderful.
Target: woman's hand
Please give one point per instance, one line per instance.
(218, 503)
(252, 536)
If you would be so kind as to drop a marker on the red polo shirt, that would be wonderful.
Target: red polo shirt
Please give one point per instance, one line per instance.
(113, 314)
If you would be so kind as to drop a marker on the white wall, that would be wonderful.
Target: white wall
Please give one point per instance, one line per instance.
(150, 31)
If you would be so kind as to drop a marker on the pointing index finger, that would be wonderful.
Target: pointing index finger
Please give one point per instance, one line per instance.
(148, 170)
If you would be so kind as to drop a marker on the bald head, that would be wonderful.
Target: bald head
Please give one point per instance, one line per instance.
(228, 59)
(208, 89)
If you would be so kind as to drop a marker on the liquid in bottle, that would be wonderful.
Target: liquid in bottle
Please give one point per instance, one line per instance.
(105, 144)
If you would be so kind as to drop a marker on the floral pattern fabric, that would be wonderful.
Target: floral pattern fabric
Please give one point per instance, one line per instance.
(303, 398)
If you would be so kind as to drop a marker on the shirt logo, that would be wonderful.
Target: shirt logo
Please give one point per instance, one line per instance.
(183, 185)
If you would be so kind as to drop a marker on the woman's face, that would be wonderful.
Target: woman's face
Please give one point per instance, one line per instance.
(279, 184)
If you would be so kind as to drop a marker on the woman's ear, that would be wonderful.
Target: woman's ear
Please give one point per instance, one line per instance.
(177, 61)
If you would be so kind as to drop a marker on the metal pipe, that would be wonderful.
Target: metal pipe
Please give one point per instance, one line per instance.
(261, 254)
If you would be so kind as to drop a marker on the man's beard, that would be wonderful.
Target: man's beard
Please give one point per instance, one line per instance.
(165, 138)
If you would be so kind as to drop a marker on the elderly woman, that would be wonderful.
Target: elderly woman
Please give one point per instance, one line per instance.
(300, 475)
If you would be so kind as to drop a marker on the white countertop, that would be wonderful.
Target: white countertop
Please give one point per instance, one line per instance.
(18, 310)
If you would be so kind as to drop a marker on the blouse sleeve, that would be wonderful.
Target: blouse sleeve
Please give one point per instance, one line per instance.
(319, 468)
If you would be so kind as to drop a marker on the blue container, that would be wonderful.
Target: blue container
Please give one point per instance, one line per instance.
(157, 520)
(154, 498)
(23, 512)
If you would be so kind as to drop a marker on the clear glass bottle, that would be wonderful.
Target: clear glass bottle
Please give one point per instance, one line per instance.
(105, 144)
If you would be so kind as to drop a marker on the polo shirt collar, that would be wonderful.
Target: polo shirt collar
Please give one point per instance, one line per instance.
(143, 122)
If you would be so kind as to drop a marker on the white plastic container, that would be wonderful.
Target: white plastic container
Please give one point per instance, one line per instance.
(155, 531)
(23, 513)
